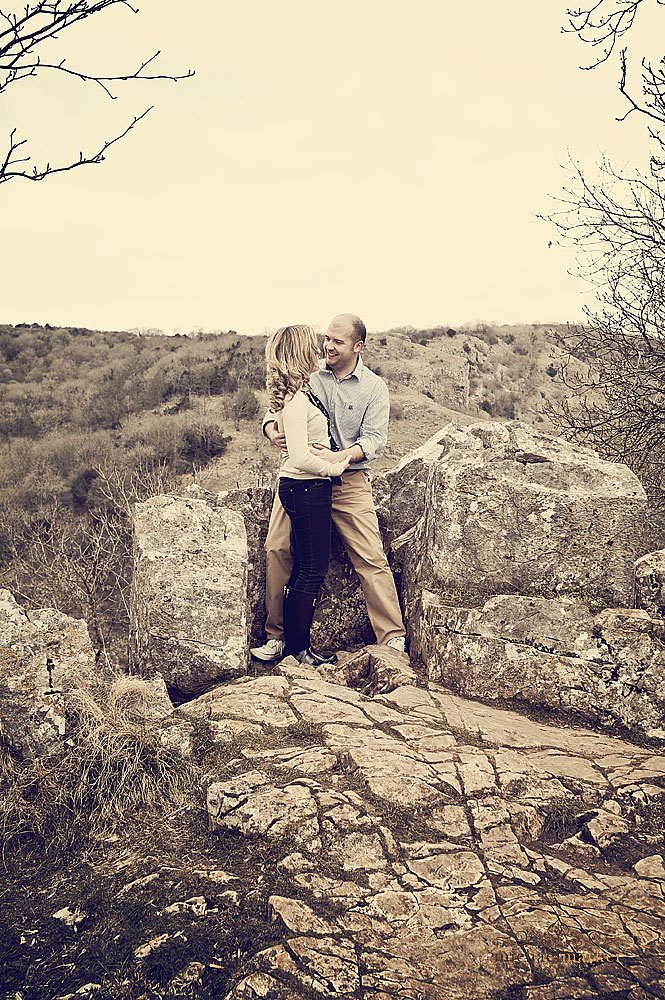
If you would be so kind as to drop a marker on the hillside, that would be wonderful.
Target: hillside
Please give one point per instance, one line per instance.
(93, 420)
(433, 377)
(476, 817)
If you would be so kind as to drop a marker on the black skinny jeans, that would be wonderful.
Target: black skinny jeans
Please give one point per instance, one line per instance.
(308, 503)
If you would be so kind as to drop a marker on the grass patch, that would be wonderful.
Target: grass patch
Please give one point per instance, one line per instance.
(111, 767)
(561, 817)
(305, 732)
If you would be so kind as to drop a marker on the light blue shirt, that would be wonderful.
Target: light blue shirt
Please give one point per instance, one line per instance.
(358, 406)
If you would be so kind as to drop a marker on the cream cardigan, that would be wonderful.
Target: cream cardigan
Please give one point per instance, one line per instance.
(303, 423)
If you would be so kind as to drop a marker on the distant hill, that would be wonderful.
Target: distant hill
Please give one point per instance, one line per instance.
(91, 420)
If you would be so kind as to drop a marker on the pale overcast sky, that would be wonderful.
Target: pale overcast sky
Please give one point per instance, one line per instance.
(369, 156)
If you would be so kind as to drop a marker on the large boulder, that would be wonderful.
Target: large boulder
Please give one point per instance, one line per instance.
(43, 655)
(403, 497)
(254, 505)
(607, 668)
(189, 605)
(510, 509)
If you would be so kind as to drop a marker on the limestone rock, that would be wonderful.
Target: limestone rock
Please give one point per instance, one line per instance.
(375, 669)
(405, 834)
(252, 806)
(650, 582)
(509, 508)
(407, 481)
(254, 505)
(43, 655)
(608, 667)
(605, 826)
(651, 867)
(189, 611)
(446, 381)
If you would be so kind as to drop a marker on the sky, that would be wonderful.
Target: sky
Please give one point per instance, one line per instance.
(362, 156)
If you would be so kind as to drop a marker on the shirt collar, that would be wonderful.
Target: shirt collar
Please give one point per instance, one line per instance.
(357, 372)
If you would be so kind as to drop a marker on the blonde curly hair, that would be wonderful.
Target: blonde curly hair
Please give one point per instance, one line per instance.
(291, 355)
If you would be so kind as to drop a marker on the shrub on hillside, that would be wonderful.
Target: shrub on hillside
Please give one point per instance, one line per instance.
(244, 404)
(502, 405)
(199, 445)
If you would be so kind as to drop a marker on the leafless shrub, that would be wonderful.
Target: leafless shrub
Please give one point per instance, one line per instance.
(80, 563)
(615, 368)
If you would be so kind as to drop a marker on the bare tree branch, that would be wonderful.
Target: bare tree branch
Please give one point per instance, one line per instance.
(603, 26)
(615, 369)
(40, 22)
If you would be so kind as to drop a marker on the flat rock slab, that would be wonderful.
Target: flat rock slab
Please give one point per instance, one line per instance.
(607, 668)
(189, 606)
(414, 852)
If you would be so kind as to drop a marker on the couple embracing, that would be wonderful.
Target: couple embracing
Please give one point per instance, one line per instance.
(330, 419)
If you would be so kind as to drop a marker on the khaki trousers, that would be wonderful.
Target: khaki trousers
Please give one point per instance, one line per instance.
(354, 516)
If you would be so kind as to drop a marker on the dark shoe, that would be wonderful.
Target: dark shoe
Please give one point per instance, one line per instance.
(313, 659)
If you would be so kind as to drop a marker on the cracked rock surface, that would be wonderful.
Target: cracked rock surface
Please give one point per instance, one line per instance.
(434, 847)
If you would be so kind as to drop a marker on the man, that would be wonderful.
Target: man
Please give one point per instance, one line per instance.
(358, 406)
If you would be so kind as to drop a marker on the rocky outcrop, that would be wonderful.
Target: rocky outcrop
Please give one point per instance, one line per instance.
(510, 509)
(411, 836)
(406, 483)
(650, 582)
(375, 670)
(43, 655)
(607, 668)
(446, 380)
(189, 606)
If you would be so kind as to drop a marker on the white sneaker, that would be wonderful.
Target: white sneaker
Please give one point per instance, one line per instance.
(271, 650)
(397, 642)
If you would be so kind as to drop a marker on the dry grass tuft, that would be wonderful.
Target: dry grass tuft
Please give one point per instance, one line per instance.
(112, 767)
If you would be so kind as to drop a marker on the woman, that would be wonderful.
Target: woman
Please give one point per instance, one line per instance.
(305, 488)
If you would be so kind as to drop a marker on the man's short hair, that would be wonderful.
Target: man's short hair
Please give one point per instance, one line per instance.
(359, 330)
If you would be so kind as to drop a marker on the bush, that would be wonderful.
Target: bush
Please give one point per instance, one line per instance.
(244, 404)
(503, 405)
(199, 446)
